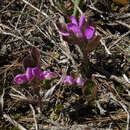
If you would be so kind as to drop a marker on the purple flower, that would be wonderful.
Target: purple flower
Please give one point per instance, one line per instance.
(79, 29)
(79, 81)
(20, 79)
(36, 73)
(29, 74)
(49, 75)
(68, 80)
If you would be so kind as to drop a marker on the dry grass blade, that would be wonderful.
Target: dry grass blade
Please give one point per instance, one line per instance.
(51, 90)
(107, 50)
(7, 5)
(26, 2)
(34, 116)
(2, 100)
(125, 109)
(124, 24)
(13, 122)
(106, 119)
(121, 37)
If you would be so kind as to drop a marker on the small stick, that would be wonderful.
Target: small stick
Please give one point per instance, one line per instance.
(41, 12)
(16, 124)
(121, 37)
(125, 109)
(20, 17)
(124, 24)
(107, 50)
(13, 35)
(34, 116)
(2, 99)
(7, 5)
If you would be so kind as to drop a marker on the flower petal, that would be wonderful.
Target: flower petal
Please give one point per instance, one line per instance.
(36, 73)
(20, 78)
(89, 32)
(81, 20)
(48, 75)
(29, 74)
(42, 77)
(80, 81)
(45, 72)
(64, 33)
(68, 80)
(74, 21)
(74, 28)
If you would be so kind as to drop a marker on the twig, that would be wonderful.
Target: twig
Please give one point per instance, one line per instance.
(113, 77)
(51, 2)
(41, 4)
(20, 16)
(102, 111)
(93, 8)
(34, 117)
(107, 50)
(106, 119)
(18, 97)
(126, 15)
(126, 79)
(7, 6)
(18, 92)
(2, 100)
(125, 109)
(41, 12)
(121, 37)
(124, 24)
(13, 35)
(16, 124)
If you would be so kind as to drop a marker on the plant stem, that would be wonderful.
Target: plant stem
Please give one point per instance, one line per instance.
(75, 9)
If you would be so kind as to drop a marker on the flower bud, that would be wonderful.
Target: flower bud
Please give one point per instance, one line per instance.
(20, 79)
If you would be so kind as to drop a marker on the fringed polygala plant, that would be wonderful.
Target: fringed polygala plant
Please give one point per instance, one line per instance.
(81, 33)
(32, 75)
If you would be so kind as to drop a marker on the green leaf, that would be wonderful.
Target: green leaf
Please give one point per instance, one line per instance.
(46, 84)
(75, 9)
